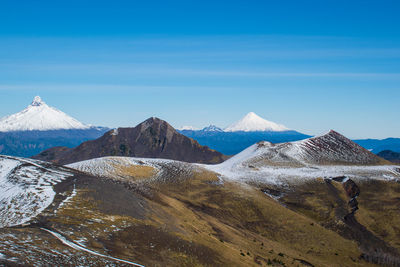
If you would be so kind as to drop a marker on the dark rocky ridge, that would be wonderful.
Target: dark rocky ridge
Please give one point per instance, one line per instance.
(329, 149)
(153, 138)
(334, 148)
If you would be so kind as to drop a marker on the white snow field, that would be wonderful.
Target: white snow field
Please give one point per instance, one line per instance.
(40, 117)
(26, 189)
(164, 169)
(253, 123)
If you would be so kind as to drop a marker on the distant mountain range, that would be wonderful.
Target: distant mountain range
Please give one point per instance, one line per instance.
(39, 127)
(252, 129)
(242, 134)
(153, 138)
(378, 145)
(390, 155)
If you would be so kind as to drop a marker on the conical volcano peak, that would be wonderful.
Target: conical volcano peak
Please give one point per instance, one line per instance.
(252, 115)
(253, 123)
(37, 101)
(38, 116)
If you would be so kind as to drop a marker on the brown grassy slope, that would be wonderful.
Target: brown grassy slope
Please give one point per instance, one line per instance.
(375, 224)
(198, 222)
(380, 209)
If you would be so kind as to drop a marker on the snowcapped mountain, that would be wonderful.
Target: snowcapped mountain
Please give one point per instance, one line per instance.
(254, 123)
(40, 117)
(39, 127)
(249, 130)
(212, 128)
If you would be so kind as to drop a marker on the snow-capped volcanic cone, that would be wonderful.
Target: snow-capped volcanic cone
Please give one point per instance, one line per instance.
(254, 123)
(38, 116)
(39, 127)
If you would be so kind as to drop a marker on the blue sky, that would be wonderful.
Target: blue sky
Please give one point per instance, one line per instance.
(310, 65)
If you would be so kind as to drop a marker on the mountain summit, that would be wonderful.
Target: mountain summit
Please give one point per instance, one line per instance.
(329, 149)
(153, 138)
(38, 116)
(254, 123)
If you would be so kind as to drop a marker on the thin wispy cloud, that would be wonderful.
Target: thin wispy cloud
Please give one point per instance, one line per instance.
(161, 70)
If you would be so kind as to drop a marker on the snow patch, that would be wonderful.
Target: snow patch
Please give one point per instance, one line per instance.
(82, 248)
(165, 169)
(26, 189)
(68, 199)
(114, 132)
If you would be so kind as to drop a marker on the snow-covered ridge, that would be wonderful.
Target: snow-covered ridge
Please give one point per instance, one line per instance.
(26, 188)
(254, 123)
(38, 116)
(328, 155)
(329, 149)
(164, 169)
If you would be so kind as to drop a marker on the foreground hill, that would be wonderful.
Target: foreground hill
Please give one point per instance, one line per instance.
(329, 149)
(123, 211)
(39, 127)
(153, 138)
(331, 154)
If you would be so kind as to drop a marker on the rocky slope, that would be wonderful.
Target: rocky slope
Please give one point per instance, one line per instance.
(329, 149)
(153, 138)
(327, 155)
